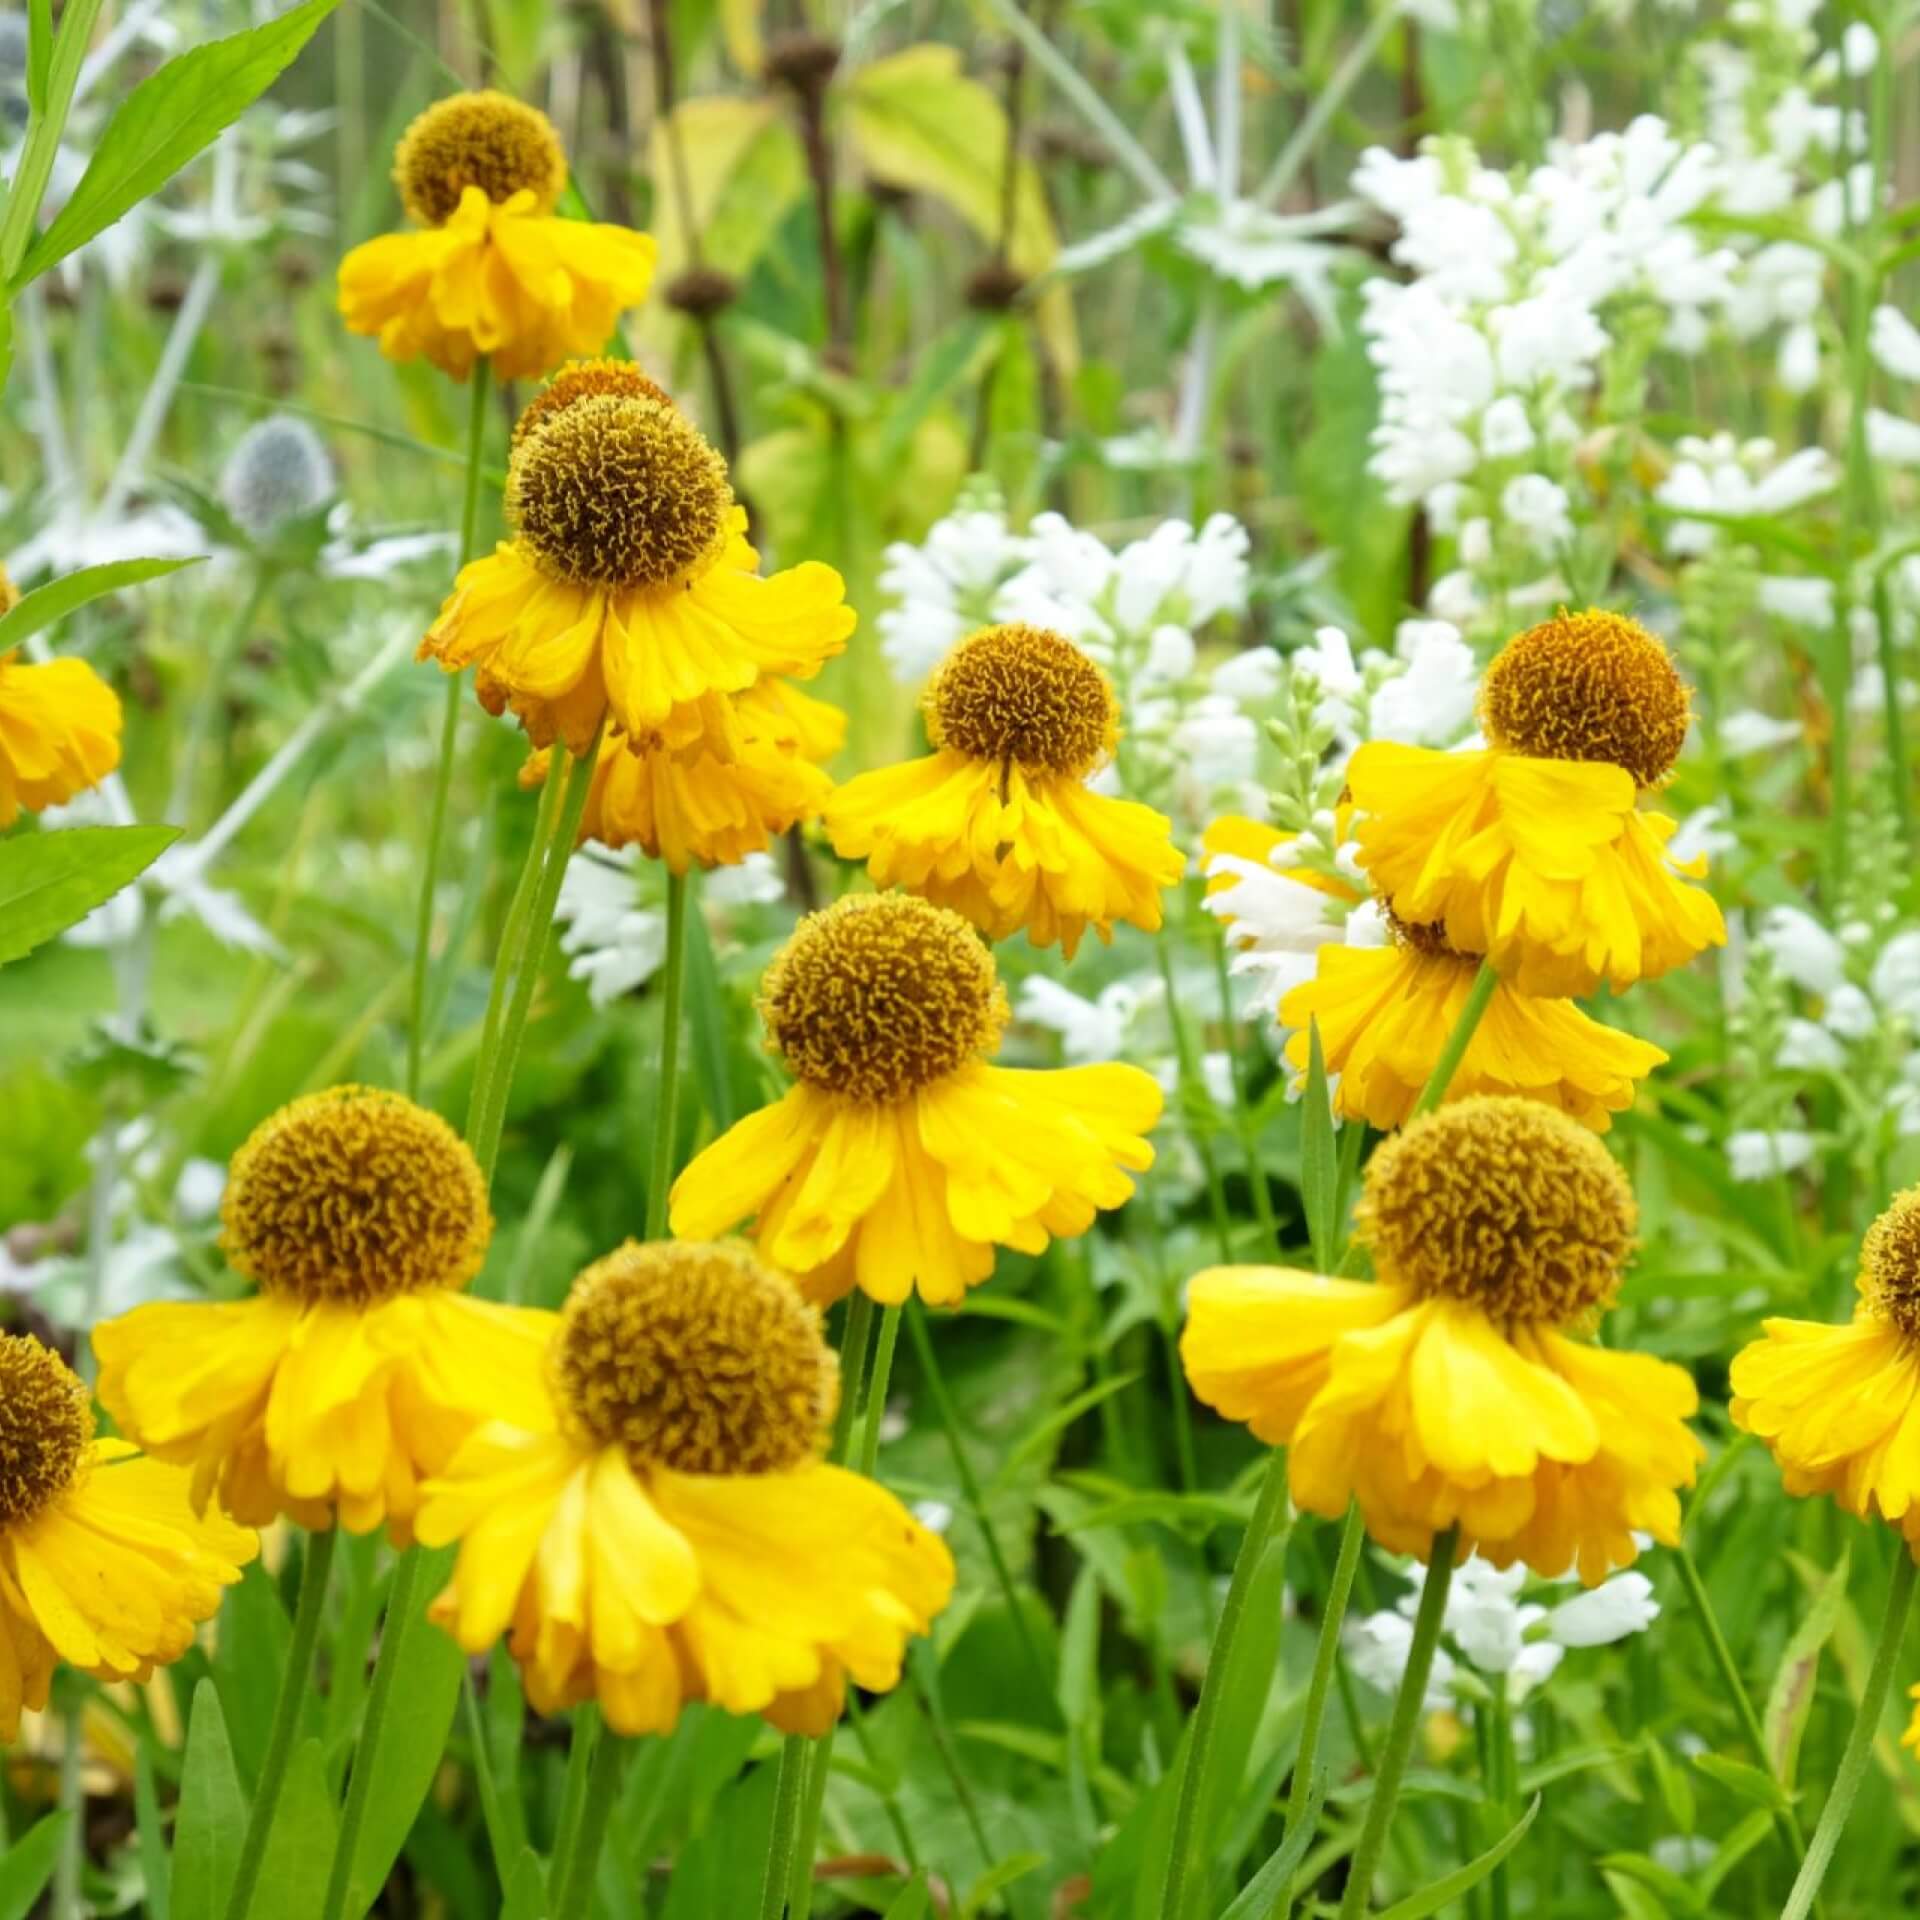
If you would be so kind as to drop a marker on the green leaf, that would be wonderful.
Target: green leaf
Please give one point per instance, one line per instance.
(525, 1894)
(213, 1815)
(911, 1901)
(167, 119)
(418, 1720)
(1791, 1695)
(39, 52)
(1431, 1899)
(1750, 1783)
(1262, 1894)
(48, 881)
(1319, 1168)
(27, 1865)
(58, 598)
(1034, 1443)
(300, 1847)
(155, 1869)
(1016, 1866)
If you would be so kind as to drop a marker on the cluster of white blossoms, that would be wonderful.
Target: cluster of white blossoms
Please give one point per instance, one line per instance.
(1495, 1634)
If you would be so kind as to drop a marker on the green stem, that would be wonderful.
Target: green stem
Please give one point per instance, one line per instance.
(573, 1792)
(492, 1816)
(1853, 1763)
(1785, 1820)
(666, 1117)
(970, 1489)
(1326, 1658)
(877, 1389)
(575, 1893)
(1244, 1122)
(1192, 1090)
(295, 1683)
(219, 665)
(1464, 1028)
(44, 128)
(1190, 1848)
(1500, 1785)
(406, 1577)
(449, 741)
(1401, 1728)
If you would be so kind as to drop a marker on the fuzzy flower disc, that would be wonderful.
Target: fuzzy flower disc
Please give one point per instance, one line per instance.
(1890, 1264)
(1023, 695)
(692, 1355)
(1504, 1203)
(354, 1196)
(1588, 686)
(580, 380)
(881, 994)
(46, 1426)
(617, 489)
(485, 140)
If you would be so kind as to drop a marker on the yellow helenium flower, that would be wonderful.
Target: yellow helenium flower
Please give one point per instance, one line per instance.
(691, 806)
(999, 822)
(1839, 1407)
(628, 590)
(491, 271)
(903, 1156)
(104, 1562)
(59, 733)
(1385, 1014)
(668, 1532)
(1462, 1386)
(359, 1365)
(1536, 852)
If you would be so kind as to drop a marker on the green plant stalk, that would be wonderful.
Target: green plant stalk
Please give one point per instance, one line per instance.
(1191, 1084)
(219, 665)
(1402, 1727)
(373, 1726)
(1500, 1785)
(573, 1793)
(574, 1895)
(667, 1116)
(1479, 995)
(295, 1677)
(449, 743)
(1326, 1658)
(1785, 1820)
(785, 1863)
(1244, 1122)
(491, 1815)
(1853, 1762)
(44, 129)
(970, 1488)
(1187, 1850)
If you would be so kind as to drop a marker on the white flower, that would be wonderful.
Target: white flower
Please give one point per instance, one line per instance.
(1537, 508)
(1684, 1854)
(1251, 677)
(1809, 1047)
(1089, 1030)
(944, 587)
(754, 882)
(1859, 49)
(1756, 1155)
(1505, 430)
(1892, 439)
(1431, 704)
(1618, 1607)
(1807, 601)
(1377, 1649)
(1803, 949)
(1849, 1013)
(1749, 731)
(1701, 835)
(1895, 342)
(1797, 366)
(1896, 975)
(616, 943)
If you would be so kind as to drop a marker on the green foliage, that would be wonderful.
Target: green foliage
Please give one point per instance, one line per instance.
(48, 881)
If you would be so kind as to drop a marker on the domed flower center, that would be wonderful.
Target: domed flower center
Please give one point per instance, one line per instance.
(354, 1196)
(483, 140)
(46, 1426)
(693, 1356)
(616, 489)
(1588, 686)
(881, 994)
(580, 380)
(1022, 695)
(1889, 1281)
(1503, 1203)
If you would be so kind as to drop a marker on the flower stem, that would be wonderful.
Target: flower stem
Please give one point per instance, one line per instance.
(1464, 1028)
(1326, 1657)
(1244, 1122)
(406, 1576)
(1193, 1089)
(666, 1115)
(1401, 1728)
(575, 1893)
(1853, 1763)
(449, 741)
(1189, 1849)
(295, 1679)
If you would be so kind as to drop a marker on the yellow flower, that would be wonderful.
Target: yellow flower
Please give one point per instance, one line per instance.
(1536, 852)
(1461, 1386)
(59, 732)
(999, 822)
(1839, 1407)
(667, 1532)
(359, 1365)
(104, 1562)
(491, 271)
(687, 807)
(903, 1156)
(1385, 1014)
(629, 589)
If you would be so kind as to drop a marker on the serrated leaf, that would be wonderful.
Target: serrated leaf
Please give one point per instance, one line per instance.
(50, 881)
(1443, 1892)
(37, 610)
(167, 119)
(1790, 1698)
(27, 1865)
(213, 1815)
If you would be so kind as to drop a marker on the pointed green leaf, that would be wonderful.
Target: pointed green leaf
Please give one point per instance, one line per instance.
(1262, 1894)
(1791, 1696)
(155, 1867)
(27, 1865)
(300, 1847)
(48, 881)
(167, 119)
(1442, 1893)
(1319, 1171)
(911, 1901)
(58, 598)
(213, 1815)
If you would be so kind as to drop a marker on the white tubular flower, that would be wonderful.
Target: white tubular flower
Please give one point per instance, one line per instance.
(1377, 1649)
(1090, 1030)
(1808, 1047)
(615, 944)
(1803, 950)
(1891, 439)
(1754, 1154)
(945, 587)
(1895, 343)
(1749, 731)
(1614, 1610)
